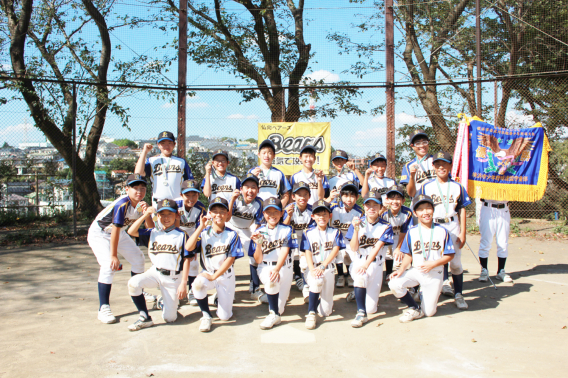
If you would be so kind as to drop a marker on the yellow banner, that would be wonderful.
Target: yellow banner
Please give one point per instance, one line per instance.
(290, 138)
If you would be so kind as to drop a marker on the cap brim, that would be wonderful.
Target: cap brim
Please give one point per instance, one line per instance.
(373, 199)
(274, 206)
(417, 135)
(376, 159)
(339, 157)
(321, 207)
(161, 139)
(168, 208)
(218, 204)
(442, 159)
(190, 190)
(135, 181)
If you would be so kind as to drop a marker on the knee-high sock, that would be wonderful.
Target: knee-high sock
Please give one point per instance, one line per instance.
(273, 303)
(204, 306)
(296, 268)
(458, 283)
(140, 303)
(104, 294)
(389, 264)
(314, 302)
(360, 293)
(340, 269)
(446, 274)
(254, 277)
(409, 301)
(483, 261)
(502, 261)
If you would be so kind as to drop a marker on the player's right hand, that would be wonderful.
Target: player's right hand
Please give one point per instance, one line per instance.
(413, 168)
(203, 220)
(236, 194)
(208, 167)
(333, 195)
(398, 255)
(395, 274)
(317, 272)
(290, 209)
(369, 172)
(114, 263)
(149, 210)
(256, 171)
(148, 147)
(274, 275)
(356, 221)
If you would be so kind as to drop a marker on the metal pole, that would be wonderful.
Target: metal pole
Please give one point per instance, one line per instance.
(37, 193)
(495, 95)
(478, 53)
(73, 156)
(389, 48)
(182, 75)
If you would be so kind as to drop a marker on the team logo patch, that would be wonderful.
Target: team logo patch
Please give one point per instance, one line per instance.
(165, 134)
(165, 202)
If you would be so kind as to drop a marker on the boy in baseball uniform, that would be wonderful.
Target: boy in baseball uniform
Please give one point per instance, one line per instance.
(346, 171)
(419, 170)
(170, 264)
(270, 247)
(367, 236)
(315, 178)
(272, 182)
(321, 244)
(494, 220)
(107, 238)
(218, 247)
(428, 246)
(375, 179)
(217, 181)
(450, 199)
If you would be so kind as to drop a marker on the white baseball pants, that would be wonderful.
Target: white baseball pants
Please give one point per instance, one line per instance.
(494, 222)
(372, 279)
(99, 241)
(453, 229)
(225, 286)
(343, 257)
(430, 286)
(323, 285)
(282, 287)
(168, 287)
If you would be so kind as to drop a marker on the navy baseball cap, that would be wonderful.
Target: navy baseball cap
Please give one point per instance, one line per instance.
(320, 204)
(395, 189)
(377, 157)
(339, 154)
(189, 186)
(166, 135)
(349, 185)
(301, 185)
(308, 148)
(422, 198)
(135, 179)
(373, 196)
(444, 156)
(219, 201)
(272, 202)
(220, 152)
(167, 204)
(267, 143)
(251, 177)
(417, 133)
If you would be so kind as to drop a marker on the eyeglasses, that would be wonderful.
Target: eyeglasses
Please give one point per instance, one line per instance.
(423, 143)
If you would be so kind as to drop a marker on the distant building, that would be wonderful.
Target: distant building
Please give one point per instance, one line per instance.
(15, 203)
(103, 185)
(23, 146)
(21, 188)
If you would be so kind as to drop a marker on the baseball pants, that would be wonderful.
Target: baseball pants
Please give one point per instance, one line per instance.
(430, 287)
(99, 241)
(343, 257)
(225, 286)
(389, 255)
(372, 279)
(323, 285)
(494, 222)
(168, 287)
(453, 229)
(282, 287)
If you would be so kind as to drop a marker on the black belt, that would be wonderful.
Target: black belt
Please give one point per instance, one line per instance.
(444, 220)
(228, 271)
(166, 272)
(499, 206)
(288, 261)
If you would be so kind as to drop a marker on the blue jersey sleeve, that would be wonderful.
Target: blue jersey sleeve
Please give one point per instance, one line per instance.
(187, 175)
(284, 185)
(405, 247)
(202, 183)
(119, 213)
(291, 242)
(197, 248)
(406, 224)
(463, 199)
(339, 241)
(237, 183)
(405, 176)
(185, 252)
(350, 231)
(144, 236)
(387, 236)
(325, 184)
(448, 245)
(258, 217)
(148, 168)
(305, 243)
(236, 248)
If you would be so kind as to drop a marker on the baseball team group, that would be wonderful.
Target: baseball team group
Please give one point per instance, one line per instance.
(308, 232)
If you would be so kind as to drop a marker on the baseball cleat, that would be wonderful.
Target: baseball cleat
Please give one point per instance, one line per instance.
(306, 294)
(350, 297)
(105, 315)
(159, 304)
(502, 276)
(360, 319)
(447, 289)
(271, 320)
(213, 299)
(300, 283)
(340, 281)
(257, 293)
(263, 298)
(311, 320)
(149, 297)
(410, 315)
(251, 287)
(484, 275)
(142, 322)
(460, 302)
(350, 281)
(191, 299)
(205, 325)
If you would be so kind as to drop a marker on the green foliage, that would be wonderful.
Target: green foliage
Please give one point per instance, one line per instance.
(251, 140)
(122, 164)
(13, 219)
(6, 145)
(125, 142)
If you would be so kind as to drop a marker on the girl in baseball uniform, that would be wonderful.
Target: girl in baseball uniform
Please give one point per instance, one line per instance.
(217, 181)
(367, 236)
(321, 244)
(428, 246)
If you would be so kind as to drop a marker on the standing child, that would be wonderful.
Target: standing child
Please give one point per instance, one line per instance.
(427, 246)
(272, 182)
(450, 199)
(107, 237)
(218, 247)
(321, 244)
(346, 171)
(319, 186)
(419, 170)
(367, 237)
(217, 181)
(494, 220)
(270, 248)
(375, 180)
(170, 264)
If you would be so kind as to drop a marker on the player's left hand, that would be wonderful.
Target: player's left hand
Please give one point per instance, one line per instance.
(182, 290)
(396, 273)
(143, 206)
(317, 272)
(236, 194)
(397, 255)
(351, 165)
(207, 276)
(274, 275)
(427, 266)
(319, 174)
(149, 210)
(461, 241)
(362, 270)
(333, 195)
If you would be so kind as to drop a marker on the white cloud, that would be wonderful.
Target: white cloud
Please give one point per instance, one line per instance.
(326, 76)
(20, 133)
(401, 118)
(252, 116)
(167, 105)
(377, 132)
(196, 105)
(236, 116)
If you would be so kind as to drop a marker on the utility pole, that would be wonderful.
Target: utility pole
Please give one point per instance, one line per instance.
(182, 74)
(478, 53)
(389, 48)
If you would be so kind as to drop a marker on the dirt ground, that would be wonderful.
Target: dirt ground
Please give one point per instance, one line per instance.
(50, 326)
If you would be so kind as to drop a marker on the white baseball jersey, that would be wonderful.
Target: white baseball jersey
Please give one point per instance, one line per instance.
(341, 219)
(337, 181)
(222, 187)
(380, 185)
(452, 197)
(437, 242)
(312, 181)
(424, 172)
(215, 248)
(190, 218)
(120, 213)
(399, 222)
(166, 249)
(274, 240)
(272, 182)
(300, 221)
(318, 241)
(244, 216)
(166, 175)
(371, 234)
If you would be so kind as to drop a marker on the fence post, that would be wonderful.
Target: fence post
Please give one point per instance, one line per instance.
(182, 77)
(478, 57)
(389, 48)
(74, 160)
(37, 193)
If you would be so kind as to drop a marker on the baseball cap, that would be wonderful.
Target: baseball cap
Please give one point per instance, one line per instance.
(377, 157)
(421, 199)
(166, 135)
(189, 186)
(339, 154)
(252, 177)
(349, 185)
(219, 201)
(417, 133)
(272, 202)
(308, 148)
(373, 196)
(301, 185)
(395, 189)
(167, 204)
(135, 178)
(267, 143)
(444, 156)
(220, 152)
(320, 204)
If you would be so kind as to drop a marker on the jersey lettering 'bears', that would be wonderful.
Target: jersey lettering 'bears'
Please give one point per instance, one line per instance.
(217, 250)
(221, 188)
(365, 242)
(343, 227)
(268, 184)
(327, 246)
(417, 247)
(246, 216)
(158, 171)
(163, 248)
(269, 246)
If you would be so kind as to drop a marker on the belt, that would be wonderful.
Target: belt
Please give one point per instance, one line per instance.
(322, 267)
(444, 220)
(365, 257)
(497, 206)
(166, 272)
(288, 261)
(227, 272)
